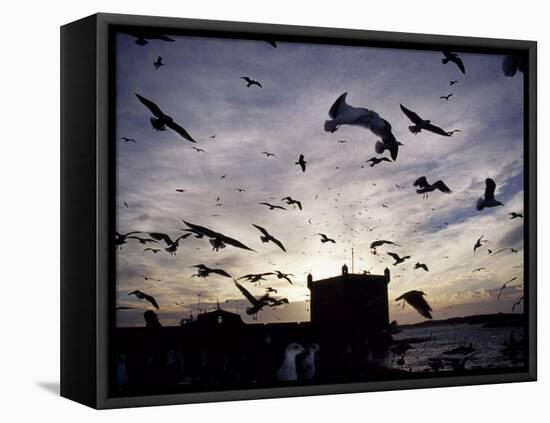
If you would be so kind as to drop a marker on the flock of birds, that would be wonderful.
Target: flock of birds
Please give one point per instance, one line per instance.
(340, 113)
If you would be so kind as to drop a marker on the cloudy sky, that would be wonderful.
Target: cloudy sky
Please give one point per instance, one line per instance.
(200, 87)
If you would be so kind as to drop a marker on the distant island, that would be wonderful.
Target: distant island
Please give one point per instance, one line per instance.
(487, 320)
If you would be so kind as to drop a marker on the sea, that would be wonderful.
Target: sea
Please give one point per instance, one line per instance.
(490, 347)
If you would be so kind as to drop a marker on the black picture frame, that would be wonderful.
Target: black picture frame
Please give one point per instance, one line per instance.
(87, 193)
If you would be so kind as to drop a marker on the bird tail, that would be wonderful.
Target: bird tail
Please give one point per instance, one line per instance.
(330, 126)
(480, 205)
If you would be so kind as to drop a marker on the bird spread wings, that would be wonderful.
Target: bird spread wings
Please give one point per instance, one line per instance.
(201, 230)
(382, 242)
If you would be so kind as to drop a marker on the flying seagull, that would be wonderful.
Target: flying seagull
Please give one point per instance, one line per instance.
(421, 266)
(256, 277)
(268, 154)
(417, 301)
(158, 63)
(488, 200)
(204, 271)
(180, 190)
(421, 124)
(451, 83)
(141, 240)
(301, 161)
(269, 289)
(143, 36)
(250, 82)
(143, 296)
(272, 206)
(126, 139)
(398, 260)
(217, 240)
(453, 57)
(382, 242)
(257, 303)
(120, 239)
(479, 269)
(376, 160)
(161, 121)
(503, 287)
(515, 215)
(281, 275)
(424, 187)
(289, 200)
(446, 97)
(199, 150)
(325, 238)
(147, 278)
(479, 242)
(344, 114)
(239, 189)
(266, 237)
(172, 246)
(153, 250)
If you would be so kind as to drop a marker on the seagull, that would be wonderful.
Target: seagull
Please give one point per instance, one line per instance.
(376, 160)
(503, 287)
(212, 137)
(479, 269)
(287, 370)
(217, 240)
(199, 150)
(143, 36)
(256, 277)
(147, 278)
(513, 250)
(161, 121)
(153, 250)
(126, 139)
(180, 190)
(453, 131)
(515, 215)
(266, 237)
(488, 200)
(446, 97)
(341, 141)
(375, 244)
(272, 206)
(141, 240)
(417, 301)
(158, 63)
(421, 266)
(276, 303)
(120, 239)
(453, 57)
(268, 154)
(451, 83)
(301, 162)
(204, 271)
(325, 238)
(479, 242)
(269, 289)
(421, 124)
(281, 275)
(257, 303)
(143, 296)
(239, 189)
(250, 82)
(125, 204)
(344, 114)
(424, 187)
(398, 259)
(289, 200)
(172, 246)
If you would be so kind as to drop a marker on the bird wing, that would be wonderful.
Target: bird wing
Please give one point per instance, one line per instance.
(246, 78)
(299, 204)
(436, 130)
(395, 256)
(262, 230)
(201, 230)
(181, 237)
(339, 106)
(424, 267)
(418, 302)
(247, 294)
(180, 130)
(441, 186)
(460, 64)
(159, 236)
(231, 241)
(153, 108)
(411, 115)
(278, 243)
(221, 272)
(421, 182)
(490, 187)
(152, 300)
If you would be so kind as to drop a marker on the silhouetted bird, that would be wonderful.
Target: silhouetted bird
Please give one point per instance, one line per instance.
(141, 240)
(479, 269)
(398, 260)
(417, 301)
(479, 243)
(147, 278)
(289, 200)
(269, 289)
(446, 97)
(239, 189)
(158, 63)
(161, 121)
(153, 250)
(217, 240)
(144, 35)
(256, 277)
(126, 139)
(199, 150)
(424, 187)
(281, 275)
(325, 238)
(120, 239)
(344, 114)
(421, 124)
(204, 271)
(267, 154)
(382, 242)
(266, 237)
(421, 266)
(272, 206)
(503, 287)
(376, 160)
(172, 246)
(250, 82)
(257, 303)
(488, 200)
(301, 161)
(180, 190)
(143, 296)
(515, 215)
(453, 57)
(451, 83)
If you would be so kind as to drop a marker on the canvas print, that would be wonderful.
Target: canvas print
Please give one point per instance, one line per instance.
(298, 213)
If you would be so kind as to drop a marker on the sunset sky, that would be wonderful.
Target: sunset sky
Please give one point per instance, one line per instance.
(200, 87)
